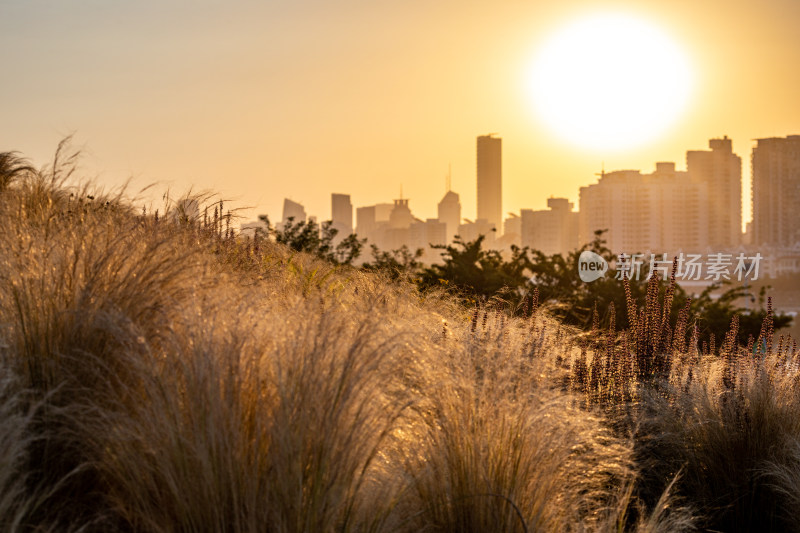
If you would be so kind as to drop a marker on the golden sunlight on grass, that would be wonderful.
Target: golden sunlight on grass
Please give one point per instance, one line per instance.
(160, 373)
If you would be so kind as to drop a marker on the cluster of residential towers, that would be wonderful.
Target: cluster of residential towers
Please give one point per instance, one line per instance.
(697, 210)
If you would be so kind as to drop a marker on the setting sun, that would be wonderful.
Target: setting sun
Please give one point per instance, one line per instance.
(609, 82)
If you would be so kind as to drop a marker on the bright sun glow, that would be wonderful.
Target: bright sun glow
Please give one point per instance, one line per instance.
(609, 82)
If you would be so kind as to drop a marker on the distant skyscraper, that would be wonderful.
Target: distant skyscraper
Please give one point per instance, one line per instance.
(401, 216)
(294, 211)
(365, 221)
(662, 212)
(449, 212)
(383, 212)
(424, 234)
(470, 231)
(512, 230)
(342, 214)
(776, 191)
(372, 220)
(721, 170)
(490, 180)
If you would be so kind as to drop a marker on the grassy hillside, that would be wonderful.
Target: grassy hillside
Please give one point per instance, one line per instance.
(158, 373)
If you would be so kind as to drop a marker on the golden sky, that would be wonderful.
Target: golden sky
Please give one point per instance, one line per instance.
(265, 100)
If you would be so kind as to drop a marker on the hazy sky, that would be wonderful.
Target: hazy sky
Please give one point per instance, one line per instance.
(265, 100)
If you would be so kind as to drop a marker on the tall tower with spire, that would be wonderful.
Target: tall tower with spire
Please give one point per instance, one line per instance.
(449, 210)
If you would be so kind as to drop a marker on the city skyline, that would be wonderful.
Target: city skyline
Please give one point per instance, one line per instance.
(665, 213)
(718, 170)
(720, 149)
(261, 102)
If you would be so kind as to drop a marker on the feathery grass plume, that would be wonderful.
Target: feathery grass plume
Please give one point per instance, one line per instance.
(784, 477)
(12, 168)
(728, 353)
(769, 323)
(666, 515)
(652, 332)
(679, 342)
(693, 352)
(722, 437)
(664, 334)
(630, 303)
(580, 372)
(66, 282)
(19, 500)
(496, 449)
(79, 292)
(279, 428)
(764, 341)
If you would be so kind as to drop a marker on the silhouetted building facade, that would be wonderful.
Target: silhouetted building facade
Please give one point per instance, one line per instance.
(662, 212)
(370, 221)
(424, 235)
(342, 214)
(365, 221)
(470, 231)
(293, 210)
(449, 213)
(512, 231)
(776, 191)
(721, 170)
(490, 180)
(551, 231)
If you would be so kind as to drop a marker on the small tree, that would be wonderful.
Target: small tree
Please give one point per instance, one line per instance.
(315, 239)
(397, 264)
(472, 272)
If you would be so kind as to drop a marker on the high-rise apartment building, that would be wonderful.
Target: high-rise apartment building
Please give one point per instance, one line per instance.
(490, 180)
(422, 235)
(721, 170)
(365, 221)
(342, 214)
(449, 212)
(776, 191)
(662, 212)
(470, 231)
(293, 210)
(372, 220)
(512, 231)
(551, 231)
